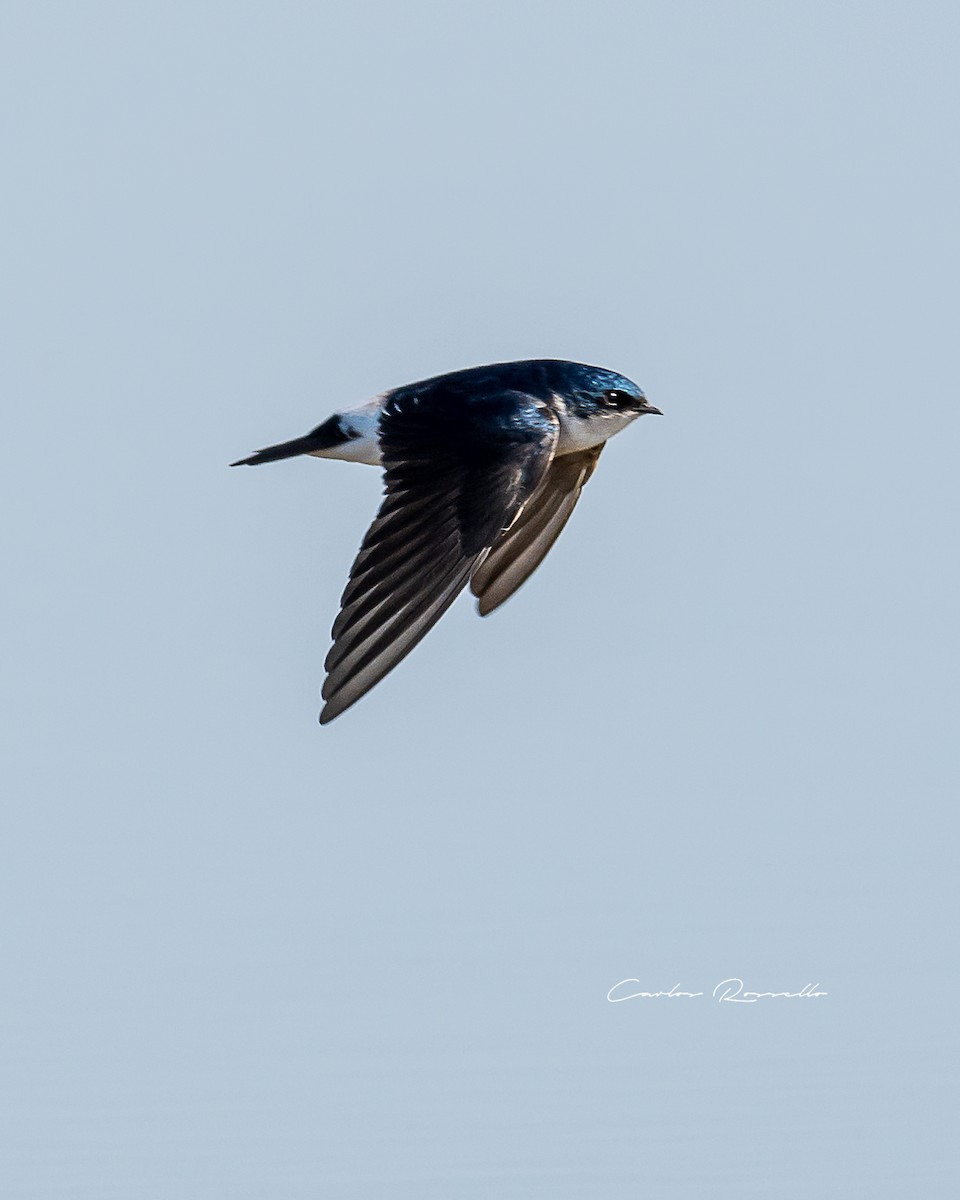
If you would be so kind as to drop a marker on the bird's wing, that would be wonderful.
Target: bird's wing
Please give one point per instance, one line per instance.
(523, 547)
(456, 476)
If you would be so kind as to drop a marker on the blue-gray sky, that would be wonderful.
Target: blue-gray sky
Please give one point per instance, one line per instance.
(244, 956)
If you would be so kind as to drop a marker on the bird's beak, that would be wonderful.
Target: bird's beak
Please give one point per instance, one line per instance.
(648, 408)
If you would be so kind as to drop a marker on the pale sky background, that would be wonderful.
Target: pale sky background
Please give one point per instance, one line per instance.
(243, 956)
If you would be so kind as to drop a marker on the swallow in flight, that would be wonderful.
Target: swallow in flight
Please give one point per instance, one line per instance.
(482, 469)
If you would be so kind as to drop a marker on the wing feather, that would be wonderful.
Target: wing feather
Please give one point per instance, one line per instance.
(522, 548)
(455, 480)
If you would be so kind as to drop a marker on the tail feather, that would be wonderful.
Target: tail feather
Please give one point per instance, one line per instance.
(324, 437)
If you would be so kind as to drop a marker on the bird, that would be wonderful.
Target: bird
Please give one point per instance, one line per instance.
(482, 469)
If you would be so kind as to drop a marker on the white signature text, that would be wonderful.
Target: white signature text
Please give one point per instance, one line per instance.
(729, 991)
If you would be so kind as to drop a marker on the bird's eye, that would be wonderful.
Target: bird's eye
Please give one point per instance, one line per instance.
(614, 398)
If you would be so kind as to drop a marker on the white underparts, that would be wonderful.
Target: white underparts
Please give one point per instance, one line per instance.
(581, 433)
(361, 426)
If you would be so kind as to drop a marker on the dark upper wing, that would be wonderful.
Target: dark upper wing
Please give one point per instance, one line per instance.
(522, 547)
(457, 473)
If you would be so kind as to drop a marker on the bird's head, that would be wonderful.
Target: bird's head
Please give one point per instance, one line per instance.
(597, 392)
